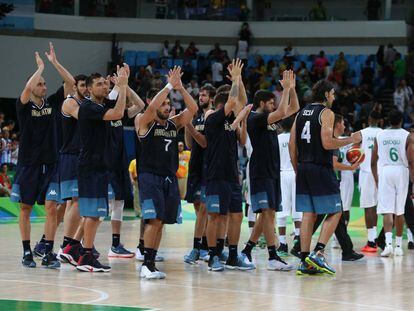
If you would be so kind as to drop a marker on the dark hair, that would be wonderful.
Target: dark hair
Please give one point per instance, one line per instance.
(93, 76)
(338, 118)
(80, 77)
(152, 92)
(287, 123)
(395, 117)
(221, 98)
(262, 96)
(319, 90)
(210, 89)
(375, 115)
(223, 88)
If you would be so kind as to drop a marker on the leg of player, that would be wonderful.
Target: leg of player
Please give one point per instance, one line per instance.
(70, 249)
(306, 231)
(399, 226)
(222, 231)
(49, 260)
(139, 254)
(214, 263)
(199, 226)
(24, 224)
(117, 250)
(388, 224)
(203, 225)
(151, 236)
(410, 239)
(283, 247)
(371, 224)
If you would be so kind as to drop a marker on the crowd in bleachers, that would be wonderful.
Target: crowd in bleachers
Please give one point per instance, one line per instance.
(363, 82)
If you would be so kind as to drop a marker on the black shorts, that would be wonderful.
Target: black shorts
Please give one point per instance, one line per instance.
(265, 194)
(68, 171)
(160, 198)
(121, 185)
(93, 192)
(317, 189)
(223, 197)
(36, 183)
(196, 190)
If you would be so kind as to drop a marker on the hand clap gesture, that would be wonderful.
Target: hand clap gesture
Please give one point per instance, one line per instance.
(174, 78)
(288, 82)
(235, 69)
(39, 61)
(51, 56)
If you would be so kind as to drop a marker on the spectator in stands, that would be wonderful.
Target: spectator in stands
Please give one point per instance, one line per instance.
(6, 147)
(341, 66)
(157, 82)
(373, 10)
(45, 6)
(191, 52)
(253, 78)
(217, 72)
(302, 73)
(401, 98)
(245, 34)
(188, 71)
(242, 51)
(272, 68)
(289, 53)
(15, 153)
(1, 120)
(318, 13)
(165, 53)
(193, 88)
(408, 93)
(390, 55)
(5, 182)
(244, 12)
(261, 66)
(9, 126)
(367, 74)
(151, 66)
(177, 100)
(177, 51)
(399, 68)
(182, 172)
(217, 52)
(320, 64)
(380, 56)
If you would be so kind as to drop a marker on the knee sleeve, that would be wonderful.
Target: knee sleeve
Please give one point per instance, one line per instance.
(281, 222)
(116, 210)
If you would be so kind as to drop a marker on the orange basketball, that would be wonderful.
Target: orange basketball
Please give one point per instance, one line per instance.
(355, 154)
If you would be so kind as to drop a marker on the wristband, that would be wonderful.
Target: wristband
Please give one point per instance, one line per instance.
(169, 86)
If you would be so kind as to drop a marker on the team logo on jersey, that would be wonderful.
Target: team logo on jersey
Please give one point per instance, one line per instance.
(52, 192)
(116, 123)
(199, 127)
(43, 112)
(227, 127)
(272, 127)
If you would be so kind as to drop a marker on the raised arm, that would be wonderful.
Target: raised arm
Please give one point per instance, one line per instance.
(374, 161)
(293, 152)
(191, 132)
(328, 141)
(234, 103)
(185, 117)
(33, 81)
(281, 111)
(293, 99)
(68, 79)
(70, 108)
(117, 112)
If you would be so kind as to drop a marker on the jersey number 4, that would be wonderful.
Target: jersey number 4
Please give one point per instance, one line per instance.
(306, 133)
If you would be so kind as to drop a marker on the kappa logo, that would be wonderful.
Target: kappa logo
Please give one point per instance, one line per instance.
(101, 209)
(52, 192)
(147, 211)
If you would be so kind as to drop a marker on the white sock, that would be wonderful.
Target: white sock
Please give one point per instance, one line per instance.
(250, 230)
(297, 231)
(388, 238)
(398, 241)
(372, 234)
(375, 230)
(409, 235)
(282, 239)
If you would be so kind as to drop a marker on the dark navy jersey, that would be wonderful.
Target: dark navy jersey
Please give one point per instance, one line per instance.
(197, 152)
(159, 150)
(308, 136)
(265, 159)
(93, 135)
(39, 130)
(221, 154)
(115, 149)
(70, 132)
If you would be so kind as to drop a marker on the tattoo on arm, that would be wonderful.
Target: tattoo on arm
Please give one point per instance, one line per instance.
(234, 91)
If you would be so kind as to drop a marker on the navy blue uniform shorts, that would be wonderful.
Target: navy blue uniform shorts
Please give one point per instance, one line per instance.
(36, 183)
(119, 185)
(223, 197)
(93, 192)
(265, 193)
(160, 198)
(196, 190)
(317, 189)
(68, 171)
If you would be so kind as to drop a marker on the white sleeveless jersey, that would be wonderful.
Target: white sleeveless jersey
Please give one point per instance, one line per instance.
(285, 162)
(391, 147)
(368, 138)
(343, 150)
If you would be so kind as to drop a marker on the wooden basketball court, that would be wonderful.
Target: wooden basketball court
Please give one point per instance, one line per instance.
(372, 283)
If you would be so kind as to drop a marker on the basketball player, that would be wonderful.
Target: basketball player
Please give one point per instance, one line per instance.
(196, 186)
(367, 187)
(317, 190)
(68, 170)
(92, 166)
(36, 177)
(265, 165)
(393, 154)
(223, 191)
(288, 190)
(158, 164)
(119, 184)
